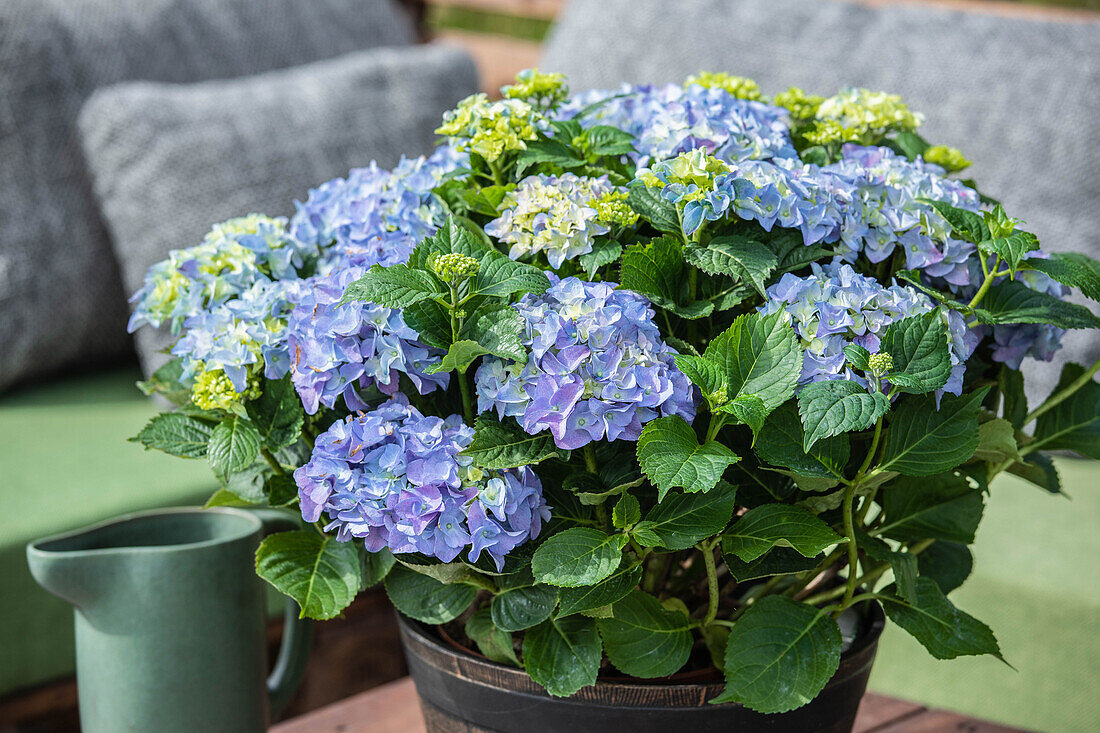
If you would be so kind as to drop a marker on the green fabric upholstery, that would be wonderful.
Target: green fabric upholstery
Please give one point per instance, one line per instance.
(66, 463)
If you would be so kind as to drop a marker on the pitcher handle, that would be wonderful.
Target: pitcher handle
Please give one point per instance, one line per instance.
(294, 649)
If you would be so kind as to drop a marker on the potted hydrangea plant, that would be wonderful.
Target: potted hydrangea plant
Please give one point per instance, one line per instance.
(644, 404)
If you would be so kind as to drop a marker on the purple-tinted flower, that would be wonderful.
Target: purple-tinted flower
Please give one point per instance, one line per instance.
(395, 479)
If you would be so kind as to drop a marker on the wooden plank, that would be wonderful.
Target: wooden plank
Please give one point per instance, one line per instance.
(498, 58)
(876, 711)
(541, 9)
(391, 708)
(942, 721)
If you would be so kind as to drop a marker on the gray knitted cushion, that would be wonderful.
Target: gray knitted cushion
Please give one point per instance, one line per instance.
(1017, 96)
(60, 296)
(170, 160)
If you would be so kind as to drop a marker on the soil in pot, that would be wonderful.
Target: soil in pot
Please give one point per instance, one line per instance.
(463, 692)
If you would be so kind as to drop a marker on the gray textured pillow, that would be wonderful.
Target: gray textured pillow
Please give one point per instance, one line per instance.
(60, 296)
(170, 160)
(1017, 96)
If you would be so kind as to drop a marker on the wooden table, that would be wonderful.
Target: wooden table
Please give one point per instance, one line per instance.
(394, 708)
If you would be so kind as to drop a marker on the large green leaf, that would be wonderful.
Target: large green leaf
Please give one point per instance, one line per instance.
(780, 655)
(1011, 384)
(497, 328)
(500, 445)
(760, 356)
(945, 631)
(277, 413)
(903, 564)
(965, 225)
(947, 563)
(234, 444)
(176, 434)
(940, 507)
(744, 259)
(587, 598)
(424, 598)
(767, 526)
(792, 252)
(780, 442)
(1073, 424)
(682, 520)
(395, 286)
(577, 556)
(1012, 247)
(603, 253)
(1039, 470)
(919, 347)
(321, 574)
(1073, 269)
(1014, 302)
(644, 639)
(499, 276)
(523, 606)
(707, 375)
(672, 456)
(648, 204)
(431, 321)
(563, 655)
(458, 358)
(494, 643)
(656, 270)
(837, 406)
(923, 440)
(456, 236)
(779, 561)
(997, 441)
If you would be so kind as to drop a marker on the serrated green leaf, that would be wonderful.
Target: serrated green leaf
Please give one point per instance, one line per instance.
(760, 355)
(709, 377)
(234, 445)
(1014, 302)
(166, 382)
(778, 561)
(685, 519)
(431, 322)
(649, 205)
(225, 497)
(458, 358)
(644, 639)
(281, 489)
(671, 456)
(424, 598)
(780, 655)
(947, 563)
(627, 512)
(277, 414)
(176, 434)
(945, 631)
(550, 152)
(780, 443)
(603, 253)
(499, 445)
(741, 258)
(563, 655)
(1039, 470)
(857, 356)
(923, 440)
(771, 525)
(656, 270)
(318, 572)
(837, 406)
(909, 144)
(792, 252)
(942, 507)
(1011, 248)
(522, 607)
(494, 643)
(395, 286)
(1011, 384)
(485, 201)
(608, 140)
(576, 557)
(498, 328)
(498, 276)
(1071, 268)
(921, 353)
(748, 409)
(965, 225)
(1073, 424)
(997, 442)
(375, 566)
(615, 586)
(903, 564)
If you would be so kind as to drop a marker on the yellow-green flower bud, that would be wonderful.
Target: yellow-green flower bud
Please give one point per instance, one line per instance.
(453, 266)
(802, 106)
(950, 159)
(547, 88)
(880, 363)
(612, 208)
(738, 86)
(213, 391)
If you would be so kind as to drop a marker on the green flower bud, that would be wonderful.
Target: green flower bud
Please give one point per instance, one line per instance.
(453, 266)
(880, 363)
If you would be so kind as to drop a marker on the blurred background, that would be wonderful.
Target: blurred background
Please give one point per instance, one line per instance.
(128, 127)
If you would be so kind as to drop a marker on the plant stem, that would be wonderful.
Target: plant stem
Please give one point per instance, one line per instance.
(986, 284)
(716, 422)
(1062, 395)
(275, 465)
(467, 400)
(707, 548)
(590, 460)
(853, 548)
(654, 569)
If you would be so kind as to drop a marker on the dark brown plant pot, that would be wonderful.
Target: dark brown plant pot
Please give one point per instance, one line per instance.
(463, 693)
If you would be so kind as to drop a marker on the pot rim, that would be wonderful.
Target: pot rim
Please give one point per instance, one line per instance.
(875, 618)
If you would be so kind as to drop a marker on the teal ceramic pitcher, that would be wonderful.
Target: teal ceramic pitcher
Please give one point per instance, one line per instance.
(170, 621)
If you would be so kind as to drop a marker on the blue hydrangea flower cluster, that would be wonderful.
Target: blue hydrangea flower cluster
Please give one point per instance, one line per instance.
(374, 216)
(240, 335)
(551, 214)
(337, 350)
(835, 306)
(668, 120)
(233, 257)
(396, 480)
(1011, 343)
(597, 369)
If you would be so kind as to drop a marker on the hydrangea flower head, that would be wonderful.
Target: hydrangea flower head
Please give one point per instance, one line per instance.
(490, 129)
(213, 390)
(234, 256)
(555, 215)
(395, 479)
(802, 106)
(737, 86)
(612, 208)
(1040, 341)
(950, 159)
(868, 114)
(337, 350)
(546, 89)
(597, 368)
(835, 306)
